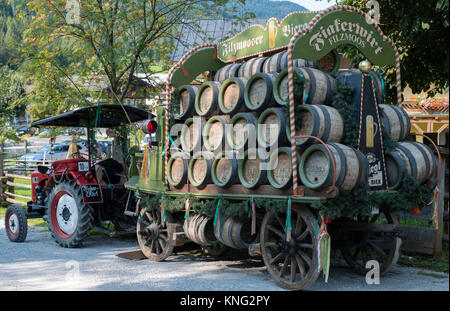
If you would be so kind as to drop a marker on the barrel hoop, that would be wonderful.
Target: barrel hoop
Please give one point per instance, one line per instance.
(232, 158)
(326, 114)
(268, 94)
(185, 166)
(395, 155)
(302, 172)
(205, 133)
(195, 157)
(425, 156)
(402, 125)
(250, 119)
(329, 93)
(343, 172)
(261, 119)
(270, 176)
(411, 159)
(262, 173)
(433, 159)
(222, 90)
(312, 85)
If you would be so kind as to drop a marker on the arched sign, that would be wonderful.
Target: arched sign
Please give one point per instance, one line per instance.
(341, 27)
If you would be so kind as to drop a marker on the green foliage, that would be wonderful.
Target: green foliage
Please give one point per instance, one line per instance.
(342, 101)
(359, 201)
(231, 208)
(420, 32)
(299, 85)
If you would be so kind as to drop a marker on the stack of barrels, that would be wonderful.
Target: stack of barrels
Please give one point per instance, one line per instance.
(235, 130)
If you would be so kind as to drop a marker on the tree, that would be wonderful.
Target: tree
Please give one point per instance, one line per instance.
(11, 105)
(420, 30)
(108, 39)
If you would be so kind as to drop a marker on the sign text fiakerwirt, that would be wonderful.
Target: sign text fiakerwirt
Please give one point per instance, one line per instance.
(341, 28)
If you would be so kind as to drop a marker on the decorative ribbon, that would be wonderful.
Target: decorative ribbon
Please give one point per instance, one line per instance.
(217, 216)
(252, 213)
(172, 142)
(324, 247)
(305, 91)
(288, 226)
(144, 164)
(436, 208)
(186, 207)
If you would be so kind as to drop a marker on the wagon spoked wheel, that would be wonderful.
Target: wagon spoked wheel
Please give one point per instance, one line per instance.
(294, 264)
(383, 247)
(156, 239)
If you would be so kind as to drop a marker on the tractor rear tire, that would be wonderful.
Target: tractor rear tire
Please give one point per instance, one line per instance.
(69, 218)
(16, 223)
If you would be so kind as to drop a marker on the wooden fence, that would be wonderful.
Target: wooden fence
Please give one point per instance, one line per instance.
(15, 173)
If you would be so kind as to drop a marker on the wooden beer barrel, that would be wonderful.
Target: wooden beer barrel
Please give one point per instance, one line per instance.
(420, 164)
(178, 169)
(231, 96)
(320, 121)
(395, 168)
(259, 91)
(280, 168)
(252, 169)
(396, 121)
(224, 235)
(319, 88)
(214, 133)
(207, 99)
(187, 101)
(227, 72)
(272, 127)
(329, 63)
(249, 68)
(279, 61)
(224, 169)
(316, 169)
(199, 170)
(242, 131)
(191, 134)
(206, 231)
(241, 232)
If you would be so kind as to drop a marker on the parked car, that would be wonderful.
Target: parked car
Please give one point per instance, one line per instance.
(59, 152)
(23, 130)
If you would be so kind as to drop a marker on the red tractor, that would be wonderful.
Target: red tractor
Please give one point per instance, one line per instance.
(76, 195)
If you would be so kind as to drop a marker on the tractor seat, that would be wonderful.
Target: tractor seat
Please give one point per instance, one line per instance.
(109, 171)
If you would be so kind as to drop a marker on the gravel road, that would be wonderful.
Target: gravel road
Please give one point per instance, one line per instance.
(40, 264)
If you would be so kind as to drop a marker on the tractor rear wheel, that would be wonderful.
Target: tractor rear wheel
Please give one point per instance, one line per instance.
(69, 218)
(16, 223)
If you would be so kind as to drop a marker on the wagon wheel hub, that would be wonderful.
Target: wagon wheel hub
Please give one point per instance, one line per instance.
(153, 231)
(66, 213)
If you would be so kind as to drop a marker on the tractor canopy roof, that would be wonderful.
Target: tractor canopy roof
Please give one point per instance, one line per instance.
(103, 116)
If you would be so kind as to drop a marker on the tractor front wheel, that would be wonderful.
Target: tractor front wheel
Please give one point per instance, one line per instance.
(16, 223)
(70, 219)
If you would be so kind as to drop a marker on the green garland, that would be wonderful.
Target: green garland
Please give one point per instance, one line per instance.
(342, 101)
(231, 208)
(174, 107)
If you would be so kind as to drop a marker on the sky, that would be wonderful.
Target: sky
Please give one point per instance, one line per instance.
(314, 5)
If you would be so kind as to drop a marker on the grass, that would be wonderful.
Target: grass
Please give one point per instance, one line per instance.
(435, 263)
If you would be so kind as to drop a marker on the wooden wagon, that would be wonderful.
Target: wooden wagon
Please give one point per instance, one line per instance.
(220, 189)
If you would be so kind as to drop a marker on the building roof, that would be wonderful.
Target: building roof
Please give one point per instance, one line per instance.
(203, 31)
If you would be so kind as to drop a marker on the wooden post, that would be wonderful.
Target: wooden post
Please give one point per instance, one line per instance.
(2, 179)
(441, 207)
(2, 146)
